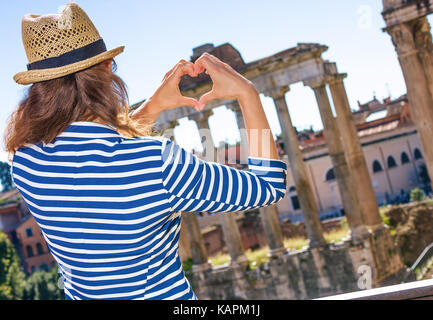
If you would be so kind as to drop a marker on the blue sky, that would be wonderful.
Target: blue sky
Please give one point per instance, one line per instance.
(159, 33)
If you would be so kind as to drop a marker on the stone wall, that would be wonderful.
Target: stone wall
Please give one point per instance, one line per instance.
(412, 229)
(306, 274)
(252, 233)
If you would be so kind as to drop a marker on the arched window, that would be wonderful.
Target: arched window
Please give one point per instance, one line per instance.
(377, 167)
(330, 175)
(39, 248)
(404, 158)
(292, 189)
(391, 162)
(417, 154)
(29, 250)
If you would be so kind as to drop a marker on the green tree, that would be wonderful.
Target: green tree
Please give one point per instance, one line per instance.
(416, 194)
(14, 285)
(12, 278)
(6, 176)
(43, 285)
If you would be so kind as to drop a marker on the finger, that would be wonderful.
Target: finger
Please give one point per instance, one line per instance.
(211, 59)
(180, 63)
(183, 69)
(171, 71)
(203, 63)
(187, 65)
(190, 102)
(199, 67)
(167, 74)
(207, 97)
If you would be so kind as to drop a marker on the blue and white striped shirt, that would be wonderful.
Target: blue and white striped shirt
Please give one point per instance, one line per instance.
(109, 207)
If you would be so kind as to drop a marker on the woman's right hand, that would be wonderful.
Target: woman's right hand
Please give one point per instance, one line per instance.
(227, 83)
(168, 95)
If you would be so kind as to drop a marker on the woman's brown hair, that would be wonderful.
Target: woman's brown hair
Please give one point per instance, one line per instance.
(49, 107)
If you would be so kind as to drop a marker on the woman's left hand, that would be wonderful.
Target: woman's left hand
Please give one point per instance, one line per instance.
(168, 95)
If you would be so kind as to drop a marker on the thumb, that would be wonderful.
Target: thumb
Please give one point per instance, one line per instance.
(207, 97)
(190, 102)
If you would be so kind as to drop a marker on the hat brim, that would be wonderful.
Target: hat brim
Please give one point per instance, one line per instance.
(33, 76)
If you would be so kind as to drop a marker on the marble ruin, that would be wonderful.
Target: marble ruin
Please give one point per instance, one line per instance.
(407, 24)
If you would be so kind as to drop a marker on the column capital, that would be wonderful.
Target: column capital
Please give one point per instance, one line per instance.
(316, 82)
(403, 39)
(422, 35)
(201, 116)
(336, 78)
(168, 125)
(277, 92)
(321, 81)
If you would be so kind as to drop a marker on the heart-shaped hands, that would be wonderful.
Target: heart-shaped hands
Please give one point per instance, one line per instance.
(227, 84)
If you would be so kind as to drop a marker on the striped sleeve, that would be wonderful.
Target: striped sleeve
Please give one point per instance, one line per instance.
(194, 185)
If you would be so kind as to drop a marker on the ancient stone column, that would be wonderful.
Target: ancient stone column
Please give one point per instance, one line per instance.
(167, 130)
(299, 171)
(232, 238)
(185, 243)
(274, 236)
(424, 46)
(354, 154)
(235, 107)
(229, 225)
(196, 243)
(348, 189)
(202, 120)
(413, 44)
(191, 244)
(268, 215)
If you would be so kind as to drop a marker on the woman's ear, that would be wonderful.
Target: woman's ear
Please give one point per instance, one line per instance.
(108, 64)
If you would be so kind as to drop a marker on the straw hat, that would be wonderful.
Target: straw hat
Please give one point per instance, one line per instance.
(60, 44)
